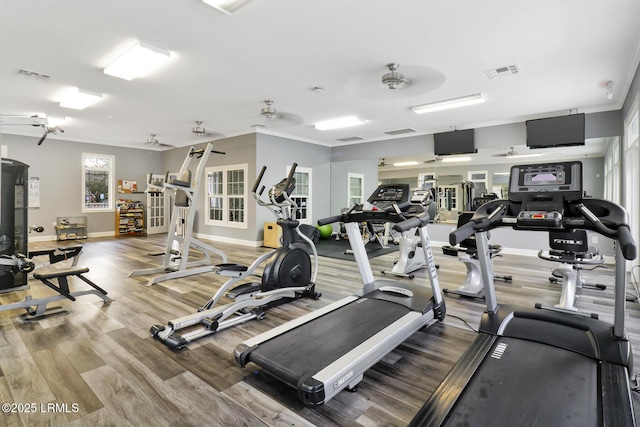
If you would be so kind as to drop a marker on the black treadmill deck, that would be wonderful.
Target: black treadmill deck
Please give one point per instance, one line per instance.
(522, 383)
(302, 352)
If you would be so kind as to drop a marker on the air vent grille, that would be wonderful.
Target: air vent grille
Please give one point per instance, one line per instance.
(33, 75)
(349, 139)
(503, 71)
(400, 131)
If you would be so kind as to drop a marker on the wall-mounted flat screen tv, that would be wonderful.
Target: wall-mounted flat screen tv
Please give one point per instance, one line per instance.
(455, 142)
(559, 131)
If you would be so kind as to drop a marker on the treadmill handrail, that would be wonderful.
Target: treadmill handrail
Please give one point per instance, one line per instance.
(357, 215)
(601, 216)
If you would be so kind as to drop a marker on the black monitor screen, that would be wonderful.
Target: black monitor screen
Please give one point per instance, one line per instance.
(456, 142)
(559, 131)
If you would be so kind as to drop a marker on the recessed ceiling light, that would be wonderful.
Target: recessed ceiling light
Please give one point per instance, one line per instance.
(139, 61)
(339, 123)
(79, 99)
(446, 104)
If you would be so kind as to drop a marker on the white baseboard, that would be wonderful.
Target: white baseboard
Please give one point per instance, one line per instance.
(251, 243)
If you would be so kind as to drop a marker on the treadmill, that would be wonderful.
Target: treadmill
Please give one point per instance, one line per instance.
(542, 366)
(328, 350)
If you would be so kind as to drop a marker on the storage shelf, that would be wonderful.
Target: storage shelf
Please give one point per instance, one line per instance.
(71, 227)
(129, 219)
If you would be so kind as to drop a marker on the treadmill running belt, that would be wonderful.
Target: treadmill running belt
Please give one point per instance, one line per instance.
(290, 356)
(523, 383)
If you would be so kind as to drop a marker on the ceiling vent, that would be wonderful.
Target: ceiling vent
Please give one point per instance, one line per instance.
(400, 131)
(503, 71)
(33, 75)
(350, 139)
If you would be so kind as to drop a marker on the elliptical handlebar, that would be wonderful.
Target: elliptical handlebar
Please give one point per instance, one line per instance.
(277, 200)
(258, 180)
(290, 176)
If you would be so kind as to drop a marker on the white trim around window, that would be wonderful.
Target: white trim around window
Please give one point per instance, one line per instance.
(226, 198)
(98, 196)
(355, 188)
(302, 194)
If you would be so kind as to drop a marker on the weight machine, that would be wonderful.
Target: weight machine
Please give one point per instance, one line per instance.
(185, 190)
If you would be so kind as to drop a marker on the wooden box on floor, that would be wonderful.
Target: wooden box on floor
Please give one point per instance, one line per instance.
(272, 235)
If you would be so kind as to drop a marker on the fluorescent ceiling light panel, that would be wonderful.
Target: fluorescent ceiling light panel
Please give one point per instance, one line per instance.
(449, 103)
(456, 159)
(521, 156)
(79, 99)
(56, 120)
(139, 61)
(226, 6)
(342, 122)
(411, 163)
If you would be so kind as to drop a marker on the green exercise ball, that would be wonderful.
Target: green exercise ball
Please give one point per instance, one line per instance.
(325, 231)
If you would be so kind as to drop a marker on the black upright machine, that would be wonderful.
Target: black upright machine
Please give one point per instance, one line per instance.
(330, 349)
(14, 267)
(540, 365)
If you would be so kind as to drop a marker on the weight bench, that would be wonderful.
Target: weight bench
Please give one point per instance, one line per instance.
(36, 309)
(58, 255)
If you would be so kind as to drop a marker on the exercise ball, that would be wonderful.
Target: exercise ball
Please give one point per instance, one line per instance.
(325, 231)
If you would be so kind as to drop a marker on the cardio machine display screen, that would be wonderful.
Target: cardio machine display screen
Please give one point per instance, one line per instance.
(544, 178)
(564, 177)
(388, 194)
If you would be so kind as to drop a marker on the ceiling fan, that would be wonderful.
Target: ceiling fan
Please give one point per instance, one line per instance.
(154, 142)
(275, 118)
(434, 160)
(200, 131)
(394, 79)
(511, 153)
(382, 163)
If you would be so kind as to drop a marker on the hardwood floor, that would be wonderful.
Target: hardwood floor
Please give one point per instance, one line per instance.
(99, 366)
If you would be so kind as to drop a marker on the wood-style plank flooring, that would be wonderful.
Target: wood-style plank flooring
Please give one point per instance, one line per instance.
(99, 366)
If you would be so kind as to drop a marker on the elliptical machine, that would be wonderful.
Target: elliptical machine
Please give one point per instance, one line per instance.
(287, 275)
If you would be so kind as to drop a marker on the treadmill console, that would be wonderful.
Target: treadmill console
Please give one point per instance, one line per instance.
(386, 195)
(543, 189)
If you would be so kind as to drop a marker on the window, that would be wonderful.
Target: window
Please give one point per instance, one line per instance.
(227, 196)
(356, 184)
(97, 182)
(302, 194)
(612, 172)
(631, 166)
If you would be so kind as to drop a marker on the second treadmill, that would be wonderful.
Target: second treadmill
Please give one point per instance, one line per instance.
(328, 350)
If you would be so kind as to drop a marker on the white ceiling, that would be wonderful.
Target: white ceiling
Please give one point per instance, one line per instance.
(225, 66)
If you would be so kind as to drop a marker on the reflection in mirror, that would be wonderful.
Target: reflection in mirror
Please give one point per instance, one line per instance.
(500, 184)
(427, 170)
